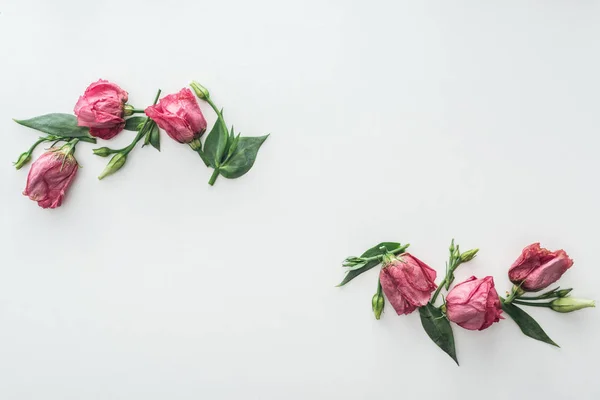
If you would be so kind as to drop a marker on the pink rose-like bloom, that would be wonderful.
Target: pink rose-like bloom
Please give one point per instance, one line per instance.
(474, 304)
(407, 283)
(49, 178)
(101, 109)
(179, 115)
(537, 268)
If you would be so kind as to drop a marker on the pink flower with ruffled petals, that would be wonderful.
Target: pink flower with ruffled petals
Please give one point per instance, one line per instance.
(537, 268)
(49, 178)
(101, 109)
(407, 283)
(179, 115)
(474, 304)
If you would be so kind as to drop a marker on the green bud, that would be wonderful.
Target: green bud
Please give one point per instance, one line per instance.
(114, 165)
(377, 302)
(200, 90)
(468, 255)
(568, 304)
(103, 152)
(23, 160)
(563, 292)
(127, 110)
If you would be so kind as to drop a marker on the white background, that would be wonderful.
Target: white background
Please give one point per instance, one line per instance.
(403, 121)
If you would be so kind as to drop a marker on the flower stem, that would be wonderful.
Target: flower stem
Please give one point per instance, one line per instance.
(214, 107)
(142, 132)
(399, 250)
(438, 290)
(39, 141)
(525, 303)
(213, 177)
(513, 294)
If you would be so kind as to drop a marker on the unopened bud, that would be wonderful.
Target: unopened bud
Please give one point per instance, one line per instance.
(103, 151)
(200, 90)
(468, 255)
(377, 302)
(114, 165)
(568, 304)
(563, 292)
(23, 160)
(127, 110)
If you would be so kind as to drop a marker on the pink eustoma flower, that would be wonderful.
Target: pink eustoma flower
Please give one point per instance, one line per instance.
(179, 115)
(101, 108)
(474, 304)
(407, 283)
(537, 268)
(49, 178)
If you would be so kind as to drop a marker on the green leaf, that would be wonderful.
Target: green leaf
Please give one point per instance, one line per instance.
(56, 124)
(155, 136)
(438, 328)
(528, 325)
(203, 157)
(215, 144)
(243, 157)
(134, 123)
(373, 251)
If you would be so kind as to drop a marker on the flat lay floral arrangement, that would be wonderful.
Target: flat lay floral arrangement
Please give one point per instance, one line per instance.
(409, 285)
(102, 112)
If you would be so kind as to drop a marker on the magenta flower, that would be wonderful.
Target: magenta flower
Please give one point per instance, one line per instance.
(101, 108)
(407, 283)
(49, 178)
(537, 268)
(179, 115)
(474, 304)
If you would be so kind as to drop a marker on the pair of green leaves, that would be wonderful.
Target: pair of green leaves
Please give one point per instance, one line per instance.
(59, 125)
(377, 250)
(151, 131)
(232, 156)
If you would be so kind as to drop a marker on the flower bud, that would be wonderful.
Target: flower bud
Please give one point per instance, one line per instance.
(377, 302)
(102, 151)
(468, 255)
(200, 90)
(563, 292)
(23, 159)
(568, 304)
(114, 165)
(127, 110)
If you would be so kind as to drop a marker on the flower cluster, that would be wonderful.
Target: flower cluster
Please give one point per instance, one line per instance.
(409, 284)
(102, 112)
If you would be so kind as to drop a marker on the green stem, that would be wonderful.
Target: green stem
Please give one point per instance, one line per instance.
(399, 250)
(32, 148)
(142, 130)
(214, 107)
(513, 294)
(438, 290)
(213, 177)
(525, 303)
